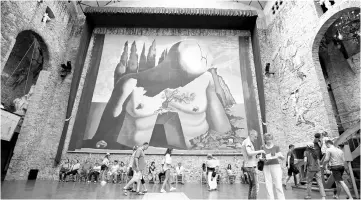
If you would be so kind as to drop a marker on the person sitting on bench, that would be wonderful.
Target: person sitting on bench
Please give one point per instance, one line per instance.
(180, 172)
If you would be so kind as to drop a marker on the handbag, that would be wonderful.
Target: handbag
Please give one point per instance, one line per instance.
(260, 165)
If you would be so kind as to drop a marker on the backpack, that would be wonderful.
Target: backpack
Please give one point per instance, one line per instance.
(312, 163)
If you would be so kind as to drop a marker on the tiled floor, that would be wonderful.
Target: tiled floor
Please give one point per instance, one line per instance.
(79, 190)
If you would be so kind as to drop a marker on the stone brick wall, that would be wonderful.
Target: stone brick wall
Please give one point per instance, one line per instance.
(42, 126)
(342, 77)
(297, 102)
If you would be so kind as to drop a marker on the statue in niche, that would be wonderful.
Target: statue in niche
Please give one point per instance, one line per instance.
(20, 77)
(326, 2)
(21, 104)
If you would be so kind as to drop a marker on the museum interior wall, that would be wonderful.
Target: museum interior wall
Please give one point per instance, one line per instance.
(298, 103)
(48, 45)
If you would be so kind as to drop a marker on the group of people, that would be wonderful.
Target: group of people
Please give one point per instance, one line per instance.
(137, 166)
(267, 159)
(104, 169)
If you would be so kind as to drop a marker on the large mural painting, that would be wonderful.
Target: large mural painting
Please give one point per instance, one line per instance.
(171, 91)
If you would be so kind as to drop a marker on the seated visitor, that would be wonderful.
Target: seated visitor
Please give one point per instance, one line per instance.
(113, 172)
(74, 168)
(231, 176)
(244, 175)
(180, 172)
(152, 171)
(85, 169)
(204, 171)
(65, 167)
(122, 168)
(95, 172)
(161, 173)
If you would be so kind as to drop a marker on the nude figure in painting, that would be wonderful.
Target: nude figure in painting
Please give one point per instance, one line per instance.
(130, 114)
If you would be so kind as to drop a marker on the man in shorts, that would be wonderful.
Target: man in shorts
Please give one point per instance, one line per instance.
(292, 169)
(138, 167)
(335, 159)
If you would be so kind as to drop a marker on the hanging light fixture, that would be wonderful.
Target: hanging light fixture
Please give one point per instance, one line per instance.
(348, 27)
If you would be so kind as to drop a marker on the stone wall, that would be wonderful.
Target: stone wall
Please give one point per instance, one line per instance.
(297, 101)
(342, 76)
(42, 126)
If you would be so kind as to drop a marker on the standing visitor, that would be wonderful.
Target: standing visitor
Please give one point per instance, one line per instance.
(317, 143)
(167, 166)
(104, 167)
(138, 167)
(212, 163)
(325, 137)
(336, 161)
(292, 169)
(272, 169)
(313, 170)
(250, 163)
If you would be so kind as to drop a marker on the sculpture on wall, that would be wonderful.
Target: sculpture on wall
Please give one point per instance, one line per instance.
(21, 104)
(327, 3)
(298, 107)
(45, 18)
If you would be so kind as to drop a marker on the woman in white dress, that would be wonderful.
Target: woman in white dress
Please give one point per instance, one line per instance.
(167, 166)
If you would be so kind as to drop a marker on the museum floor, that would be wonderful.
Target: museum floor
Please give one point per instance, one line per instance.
(80, 190)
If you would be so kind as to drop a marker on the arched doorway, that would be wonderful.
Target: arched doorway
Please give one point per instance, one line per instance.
(337, 47)
(18, 79)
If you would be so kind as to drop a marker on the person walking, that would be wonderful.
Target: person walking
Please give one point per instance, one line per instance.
(290, 164)
(138, 167)
(317, 143)
(212, 165)
(250, 163)
(104, 167)
(167, 166)
(312, 167)
(272, 169)
(335, 159)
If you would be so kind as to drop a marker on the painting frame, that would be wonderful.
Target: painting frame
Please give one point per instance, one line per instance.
(92, 23)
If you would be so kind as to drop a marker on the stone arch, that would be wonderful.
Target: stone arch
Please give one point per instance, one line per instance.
(28, 56)
(325, 22)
